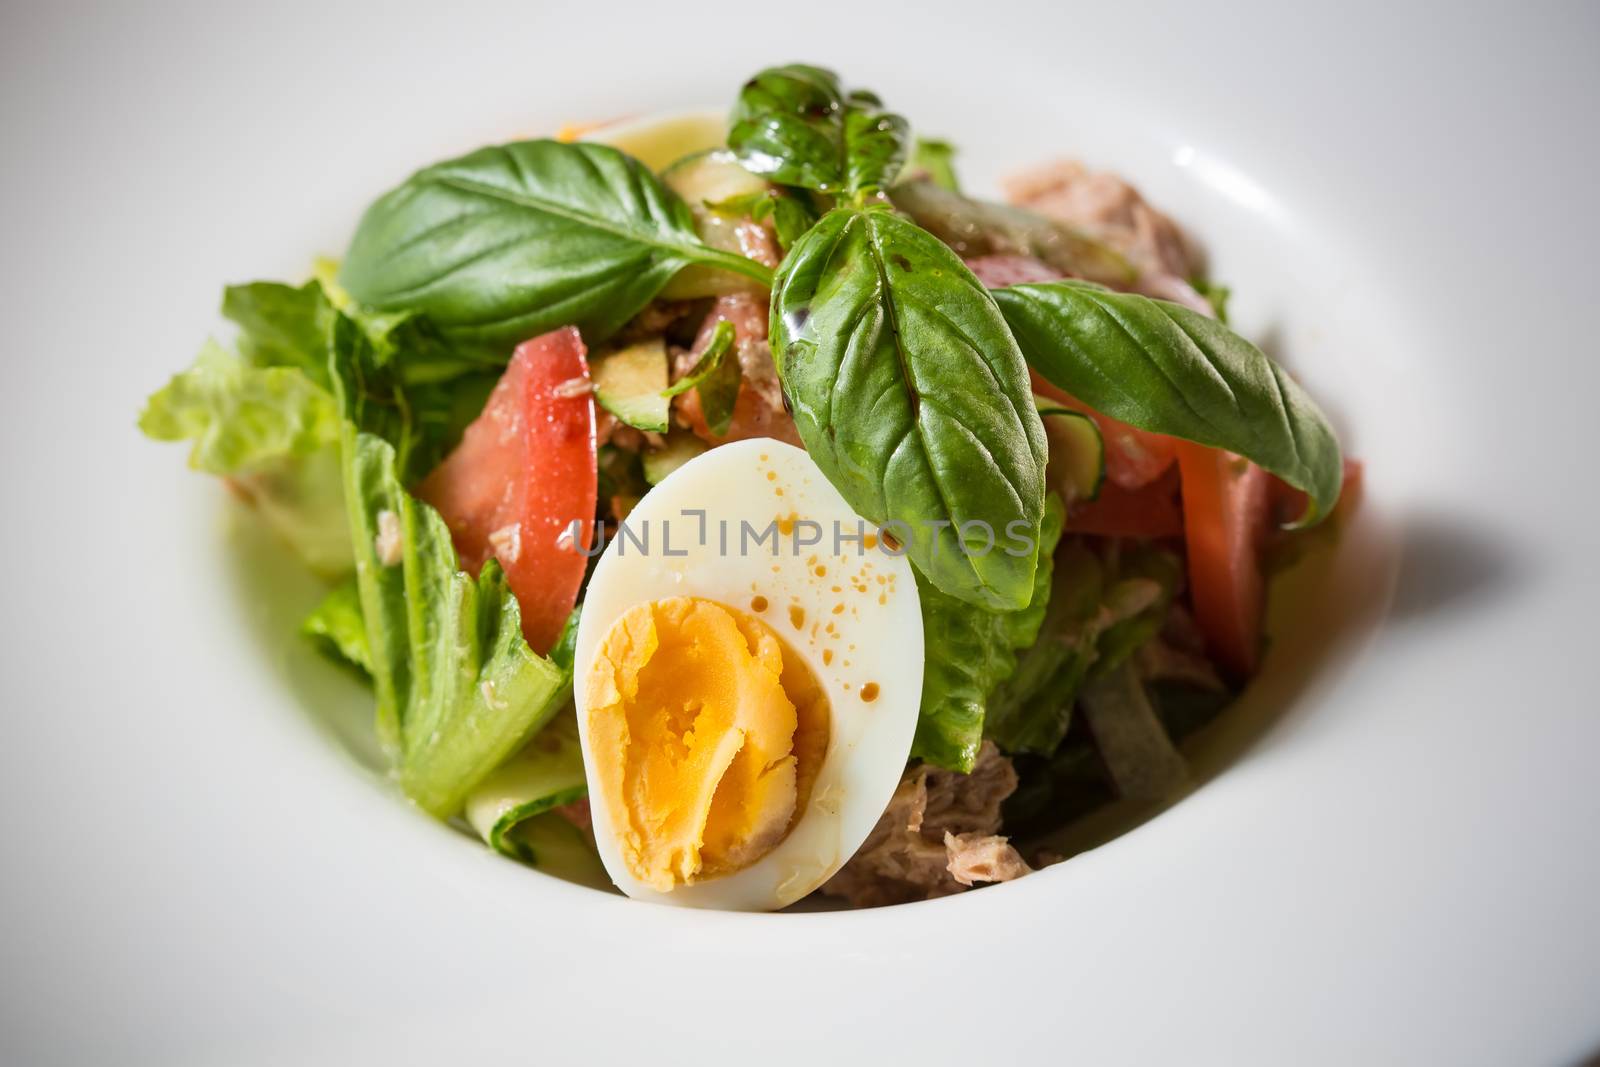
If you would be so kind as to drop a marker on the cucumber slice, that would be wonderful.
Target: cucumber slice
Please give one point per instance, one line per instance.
(559, 848)
(681, 446)
(546, 774)
(1077, 452)
(628, 383)
(711, 177)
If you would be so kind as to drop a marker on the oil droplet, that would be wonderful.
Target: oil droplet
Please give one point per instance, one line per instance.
(869, 692)
(758, 603)
(827, 656)
(838, 589)
(786, 523)
(772, 476)
(870, 541)
(797, 616)
(763, 457)
(838, 609)
(822, 572)
(883, 598)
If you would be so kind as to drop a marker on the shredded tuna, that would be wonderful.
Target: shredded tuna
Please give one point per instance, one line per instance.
(999, 271)
(757, 242)
(759, 411)
(1110, 209)
(507, 543)
(908, 855)
(388, 544)
(977, 858)
(577, 813)
(656, 319)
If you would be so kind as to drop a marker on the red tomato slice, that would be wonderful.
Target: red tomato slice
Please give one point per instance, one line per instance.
(1226, 516)
(525, 469)
(1147, 512)
(1134, 457)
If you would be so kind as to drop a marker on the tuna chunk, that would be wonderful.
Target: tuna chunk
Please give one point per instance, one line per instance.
(759, 410)
(1110, 209)
(977, 858)
(937, 837)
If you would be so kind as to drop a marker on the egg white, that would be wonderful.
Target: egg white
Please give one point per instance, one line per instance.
(876, 639)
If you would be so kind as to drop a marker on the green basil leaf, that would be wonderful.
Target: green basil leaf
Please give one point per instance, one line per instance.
(912, 397)
(970, 651)
(511, 241)
(796, 125)
(933, 161)
(1169, 370)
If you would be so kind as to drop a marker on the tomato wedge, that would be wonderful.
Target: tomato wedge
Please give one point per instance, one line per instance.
(1147, 512)
(524, 471)
(1134, 457)
(1226, 516)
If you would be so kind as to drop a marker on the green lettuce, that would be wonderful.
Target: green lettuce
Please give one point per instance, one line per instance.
(335, 626)
(1100, 612)
(281, 325)
(969, 651)
(458, 689)
(273, 433)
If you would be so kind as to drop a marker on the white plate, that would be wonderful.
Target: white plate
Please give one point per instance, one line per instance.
(1402, 869)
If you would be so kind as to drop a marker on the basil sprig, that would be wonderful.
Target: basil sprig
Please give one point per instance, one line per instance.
(511, 241)
(910, 394)
(798, 126)
(1164, 368)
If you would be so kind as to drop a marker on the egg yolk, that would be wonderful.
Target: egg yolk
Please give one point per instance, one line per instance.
(706, 733)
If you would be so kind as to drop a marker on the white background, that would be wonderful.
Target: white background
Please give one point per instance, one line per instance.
(1403, 870)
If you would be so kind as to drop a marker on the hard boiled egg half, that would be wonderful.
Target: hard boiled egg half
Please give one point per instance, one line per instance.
(747, 676)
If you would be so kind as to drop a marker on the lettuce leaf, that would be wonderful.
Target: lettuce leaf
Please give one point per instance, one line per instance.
(281, 325)
(458, 689)
(337, 630)
(273, 433)
(1100, 612)
(970, 650)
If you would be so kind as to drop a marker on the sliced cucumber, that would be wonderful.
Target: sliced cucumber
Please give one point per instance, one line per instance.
(628, 383)
(711, 177)
(681, 446)
(546, 774)
(1077, 452)
(555, 846)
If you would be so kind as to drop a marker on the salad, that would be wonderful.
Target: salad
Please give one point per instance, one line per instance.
(732, 510)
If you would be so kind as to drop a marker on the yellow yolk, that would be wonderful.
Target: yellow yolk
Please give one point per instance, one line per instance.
(706, 733)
